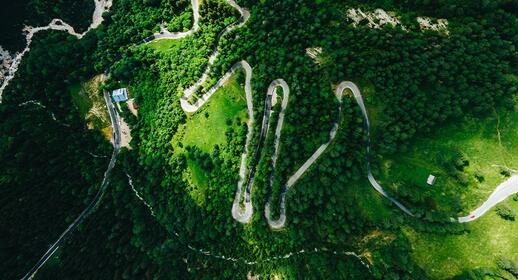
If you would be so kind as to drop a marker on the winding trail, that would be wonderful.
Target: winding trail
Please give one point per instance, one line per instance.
(247, 261)
(55, 24)
(38, 104)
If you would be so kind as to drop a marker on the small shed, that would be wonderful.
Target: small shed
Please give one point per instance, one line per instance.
(431, 180)
(120, 95)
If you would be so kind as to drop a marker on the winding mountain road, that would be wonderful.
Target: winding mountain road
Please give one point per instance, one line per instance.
(116, 137)
(184, 100)
(501, 192)
(239, 214)
(245, 215)
(165, 34)
(95, 201)
(279, 223)
(366, 125)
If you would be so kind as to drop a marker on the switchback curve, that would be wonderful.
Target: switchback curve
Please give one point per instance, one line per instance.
(165, 34)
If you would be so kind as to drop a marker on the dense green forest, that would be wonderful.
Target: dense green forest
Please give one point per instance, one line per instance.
(48, 173)
(185, 166)
(14, 15)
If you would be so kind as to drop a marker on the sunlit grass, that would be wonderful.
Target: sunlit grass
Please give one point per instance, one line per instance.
(163, 45)
(446, 255)
(487, 143)
(90, 104)
(206, 128)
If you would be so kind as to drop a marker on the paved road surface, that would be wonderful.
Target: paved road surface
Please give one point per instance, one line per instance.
(95, 201)
(165, 34)
(359, 100)
(279, 223)
(184, 101)
(503, 191)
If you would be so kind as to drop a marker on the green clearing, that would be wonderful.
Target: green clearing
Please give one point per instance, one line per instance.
(198, 182)
(376, 106)
(163, 45)
(80, 99)
(488, 144)
(373, 206)
(206, 128)
(445, 255)
(199, 177)
(90, 104)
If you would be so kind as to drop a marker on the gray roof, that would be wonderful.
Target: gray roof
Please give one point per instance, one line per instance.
(120, 94)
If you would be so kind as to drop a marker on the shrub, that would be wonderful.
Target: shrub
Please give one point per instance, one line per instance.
(506, 213)
(462, 178)
(508, 265)
(479, 176)
(505, 172)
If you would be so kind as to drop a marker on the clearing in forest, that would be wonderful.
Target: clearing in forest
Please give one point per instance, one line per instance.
(206, 129)
(470, 159)
(91, 106)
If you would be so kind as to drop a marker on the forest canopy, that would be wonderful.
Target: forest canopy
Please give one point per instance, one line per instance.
(432, 99)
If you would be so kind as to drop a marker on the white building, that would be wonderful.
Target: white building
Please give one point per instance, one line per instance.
(120, 95)
(431, 180)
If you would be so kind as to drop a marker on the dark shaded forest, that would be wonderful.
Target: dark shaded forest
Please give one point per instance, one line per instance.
(14, 15)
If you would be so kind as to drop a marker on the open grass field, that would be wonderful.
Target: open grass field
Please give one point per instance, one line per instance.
(444, 256)
(163, 45)
(206, 128)
(486, 147)
(199, 181)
